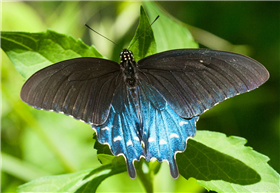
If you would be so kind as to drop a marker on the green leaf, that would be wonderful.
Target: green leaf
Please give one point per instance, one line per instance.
(82, 181)
(31, 52)
(169, 32)
(143, 43)
(224, 164)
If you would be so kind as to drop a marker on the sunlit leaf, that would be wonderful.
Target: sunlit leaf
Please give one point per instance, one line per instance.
(168, 31)
(30, 52)
(82, 181)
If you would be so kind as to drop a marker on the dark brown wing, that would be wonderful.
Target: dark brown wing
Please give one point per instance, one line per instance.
(194, 80)
(81, 87)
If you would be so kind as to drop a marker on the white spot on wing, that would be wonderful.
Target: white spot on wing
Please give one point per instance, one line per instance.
(183, 123)
(129, 142)
(172, 135)
(105, 128)
(162, 142)
(136, 138)
(118, 138)
(151, 139)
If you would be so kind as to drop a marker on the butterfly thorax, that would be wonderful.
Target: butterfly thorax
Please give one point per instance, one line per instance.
(128, 66)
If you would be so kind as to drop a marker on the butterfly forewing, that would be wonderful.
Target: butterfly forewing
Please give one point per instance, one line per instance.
(192, 81)
(81, 87)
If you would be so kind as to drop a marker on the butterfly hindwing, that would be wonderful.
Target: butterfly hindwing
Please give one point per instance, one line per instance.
(121, 129)
(164, 132)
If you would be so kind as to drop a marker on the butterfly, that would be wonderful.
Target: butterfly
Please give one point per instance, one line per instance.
(147, 108)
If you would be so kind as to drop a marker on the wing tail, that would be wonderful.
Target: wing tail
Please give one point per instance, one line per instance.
(173, 168)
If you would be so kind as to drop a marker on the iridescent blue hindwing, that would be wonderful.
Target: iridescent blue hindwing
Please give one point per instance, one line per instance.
(120, 129)
(161, 130)
(164, 132)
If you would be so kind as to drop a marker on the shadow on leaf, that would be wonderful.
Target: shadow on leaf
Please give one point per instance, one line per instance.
(204, 163)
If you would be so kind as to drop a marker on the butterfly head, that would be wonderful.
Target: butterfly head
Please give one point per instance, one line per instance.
(126, 57)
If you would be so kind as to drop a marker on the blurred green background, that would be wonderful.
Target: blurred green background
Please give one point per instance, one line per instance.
(37, 143)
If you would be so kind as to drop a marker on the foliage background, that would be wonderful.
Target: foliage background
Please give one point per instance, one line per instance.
(251, 28)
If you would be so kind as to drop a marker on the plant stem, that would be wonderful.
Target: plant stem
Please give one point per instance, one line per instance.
(146, 178)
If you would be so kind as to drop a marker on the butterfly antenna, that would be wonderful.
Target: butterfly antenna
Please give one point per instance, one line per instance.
(144, 31)
(102, 36)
